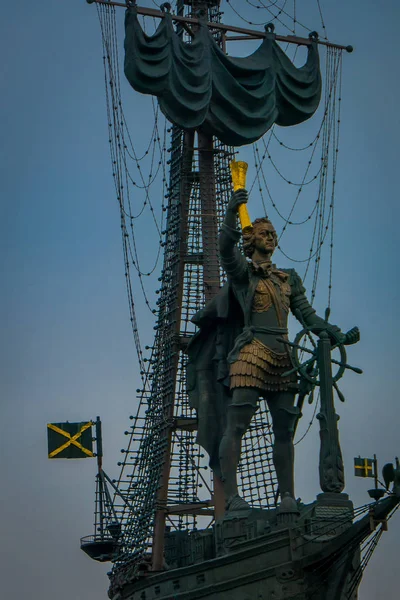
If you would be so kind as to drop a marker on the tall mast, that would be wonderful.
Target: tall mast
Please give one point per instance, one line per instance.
(192, 162)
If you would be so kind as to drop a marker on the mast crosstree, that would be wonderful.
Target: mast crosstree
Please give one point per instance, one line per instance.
(246, 33)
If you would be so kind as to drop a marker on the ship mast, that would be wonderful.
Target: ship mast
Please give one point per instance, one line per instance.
(188, 171)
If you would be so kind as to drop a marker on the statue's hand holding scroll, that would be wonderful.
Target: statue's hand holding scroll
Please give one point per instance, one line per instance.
(239, 197)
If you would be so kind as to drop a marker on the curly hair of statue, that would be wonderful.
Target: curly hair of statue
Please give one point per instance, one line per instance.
(248, 235)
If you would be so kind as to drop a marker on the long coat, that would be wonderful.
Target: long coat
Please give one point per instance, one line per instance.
(220, 323)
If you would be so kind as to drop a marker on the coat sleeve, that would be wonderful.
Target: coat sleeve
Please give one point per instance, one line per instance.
(302, 309)
(232, 260)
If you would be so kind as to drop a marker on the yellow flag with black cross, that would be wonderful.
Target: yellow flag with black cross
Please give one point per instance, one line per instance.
(70, 440)
(364, 467)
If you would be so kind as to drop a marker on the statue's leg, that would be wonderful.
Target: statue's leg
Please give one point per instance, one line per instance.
(239, 415)
(284, 416)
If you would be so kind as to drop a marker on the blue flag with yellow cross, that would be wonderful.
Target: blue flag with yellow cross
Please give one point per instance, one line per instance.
(364, 467)
(70, 440)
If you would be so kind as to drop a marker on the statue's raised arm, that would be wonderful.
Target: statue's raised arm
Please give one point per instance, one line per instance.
(232, 260)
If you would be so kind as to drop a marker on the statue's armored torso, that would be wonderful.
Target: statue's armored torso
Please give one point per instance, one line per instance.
(262, 362)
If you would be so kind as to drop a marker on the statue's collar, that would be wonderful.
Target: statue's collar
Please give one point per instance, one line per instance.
(266, 269)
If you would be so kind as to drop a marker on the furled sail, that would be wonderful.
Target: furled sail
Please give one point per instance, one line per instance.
(199, 86)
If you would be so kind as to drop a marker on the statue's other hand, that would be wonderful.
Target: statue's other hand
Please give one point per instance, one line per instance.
(237, 198)
(352, 336)
(336, 335)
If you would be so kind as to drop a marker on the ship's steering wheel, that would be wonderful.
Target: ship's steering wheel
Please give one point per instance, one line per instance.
(307, 368)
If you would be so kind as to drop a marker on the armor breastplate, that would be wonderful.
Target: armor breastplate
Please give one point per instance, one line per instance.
(272, 292)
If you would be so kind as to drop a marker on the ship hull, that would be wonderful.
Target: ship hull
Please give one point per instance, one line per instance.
(263, 556)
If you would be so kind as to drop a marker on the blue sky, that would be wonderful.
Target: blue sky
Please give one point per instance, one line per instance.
(67, 351)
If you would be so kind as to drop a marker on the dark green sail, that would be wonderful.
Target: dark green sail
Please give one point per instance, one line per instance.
(199, 86)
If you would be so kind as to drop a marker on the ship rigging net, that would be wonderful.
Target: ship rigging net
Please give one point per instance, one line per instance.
(161, 443)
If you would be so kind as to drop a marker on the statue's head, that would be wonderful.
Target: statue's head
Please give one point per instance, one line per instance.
(261, 237)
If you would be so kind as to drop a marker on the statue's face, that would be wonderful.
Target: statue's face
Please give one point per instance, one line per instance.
(264, 238)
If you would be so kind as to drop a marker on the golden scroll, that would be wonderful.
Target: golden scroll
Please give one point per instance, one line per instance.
(239, 171)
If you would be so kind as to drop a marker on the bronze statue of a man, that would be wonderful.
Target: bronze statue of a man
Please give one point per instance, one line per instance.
(236, 357)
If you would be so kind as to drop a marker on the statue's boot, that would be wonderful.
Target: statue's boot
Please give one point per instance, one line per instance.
(239, 418)
(235, 502)
(284, 420)
(284, 465)
(288, 505)
(288, 511)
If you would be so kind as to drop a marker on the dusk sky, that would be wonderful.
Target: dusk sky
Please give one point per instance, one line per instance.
(67, 350)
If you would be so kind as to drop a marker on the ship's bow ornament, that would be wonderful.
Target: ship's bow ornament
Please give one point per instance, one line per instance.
(199, 86)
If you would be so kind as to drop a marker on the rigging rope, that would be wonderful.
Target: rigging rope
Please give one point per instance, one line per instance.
(327, 139)
(122, 149)
(272, 17)
(276, 13)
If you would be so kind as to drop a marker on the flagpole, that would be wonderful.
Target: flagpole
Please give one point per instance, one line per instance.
(99, 444)
(376, 471)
